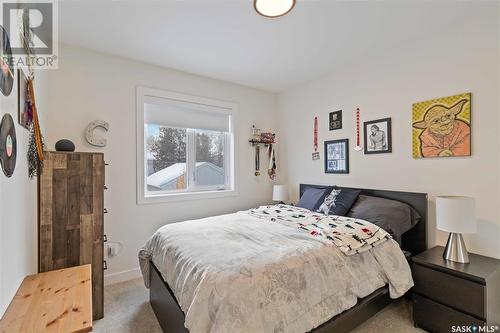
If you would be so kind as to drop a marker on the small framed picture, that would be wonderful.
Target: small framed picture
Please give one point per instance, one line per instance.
(337, 156)
(24, 111)
(378, 137)
(335, 119)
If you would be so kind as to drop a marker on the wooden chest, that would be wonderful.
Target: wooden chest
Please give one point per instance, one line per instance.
(55, 301)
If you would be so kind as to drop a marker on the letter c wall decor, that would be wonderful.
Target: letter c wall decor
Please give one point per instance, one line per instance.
(89, 133)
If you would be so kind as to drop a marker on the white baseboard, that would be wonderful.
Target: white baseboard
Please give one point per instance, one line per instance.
(122, 276)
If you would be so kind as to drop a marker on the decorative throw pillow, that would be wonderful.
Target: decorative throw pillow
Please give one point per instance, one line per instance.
(329, 202)
(312, 198)
(344, 201)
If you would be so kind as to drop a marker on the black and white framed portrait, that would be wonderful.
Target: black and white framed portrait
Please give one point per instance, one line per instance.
(335, 120)
(337, 156)
(378, 136)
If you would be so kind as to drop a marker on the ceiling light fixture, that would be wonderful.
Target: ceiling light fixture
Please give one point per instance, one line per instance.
(273, 8)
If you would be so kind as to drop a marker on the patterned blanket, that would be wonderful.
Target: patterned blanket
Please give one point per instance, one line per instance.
(350, 235)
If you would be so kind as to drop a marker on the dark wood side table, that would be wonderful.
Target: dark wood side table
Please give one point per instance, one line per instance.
(451, 294)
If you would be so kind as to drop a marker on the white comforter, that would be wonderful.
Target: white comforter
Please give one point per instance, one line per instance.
(239, 273)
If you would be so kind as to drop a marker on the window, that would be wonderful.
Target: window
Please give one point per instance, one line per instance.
(185, 146)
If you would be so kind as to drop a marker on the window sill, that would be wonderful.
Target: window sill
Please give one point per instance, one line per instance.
(189, 196)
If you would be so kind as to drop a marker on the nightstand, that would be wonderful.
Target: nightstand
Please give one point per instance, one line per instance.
(452, 294)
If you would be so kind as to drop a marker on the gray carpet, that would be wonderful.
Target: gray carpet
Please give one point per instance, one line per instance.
(127, 310)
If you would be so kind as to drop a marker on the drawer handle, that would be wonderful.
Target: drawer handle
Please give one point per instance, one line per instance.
(105, 210)
(105, 265)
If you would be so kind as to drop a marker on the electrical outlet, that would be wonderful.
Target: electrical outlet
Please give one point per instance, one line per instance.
(112, 250)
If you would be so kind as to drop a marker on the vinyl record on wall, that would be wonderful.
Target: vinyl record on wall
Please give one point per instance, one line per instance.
(8, 145)
(6, 65)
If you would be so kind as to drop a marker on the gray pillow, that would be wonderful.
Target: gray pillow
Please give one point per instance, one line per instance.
(393, 216)
(312, 198)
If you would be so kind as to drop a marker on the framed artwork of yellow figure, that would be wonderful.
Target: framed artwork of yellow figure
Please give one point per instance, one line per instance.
(442, 127)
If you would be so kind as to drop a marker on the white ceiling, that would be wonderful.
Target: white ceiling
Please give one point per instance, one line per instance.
(227, 40)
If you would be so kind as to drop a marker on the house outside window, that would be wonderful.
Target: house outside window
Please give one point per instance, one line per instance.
(185, 146)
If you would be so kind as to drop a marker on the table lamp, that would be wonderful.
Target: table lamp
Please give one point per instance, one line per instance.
(456, 215)
(280, 193)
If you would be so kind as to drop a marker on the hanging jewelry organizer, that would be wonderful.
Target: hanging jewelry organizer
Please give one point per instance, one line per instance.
(264, 139)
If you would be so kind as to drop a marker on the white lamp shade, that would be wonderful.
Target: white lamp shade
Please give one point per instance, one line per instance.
(456, 214)
(280, 193)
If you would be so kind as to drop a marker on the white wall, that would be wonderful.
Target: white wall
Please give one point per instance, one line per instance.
(498, 102)
(464, 58)
(18, 219)
(89, 86)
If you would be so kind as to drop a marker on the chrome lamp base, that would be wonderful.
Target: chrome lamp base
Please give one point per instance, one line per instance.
(455, 249)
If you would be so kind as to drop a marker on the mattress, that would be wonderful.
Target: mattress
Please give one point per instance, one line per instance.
(239, 273)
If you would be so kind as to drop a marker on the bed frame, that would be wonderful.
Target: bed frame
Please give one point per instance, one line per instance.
(171, 317)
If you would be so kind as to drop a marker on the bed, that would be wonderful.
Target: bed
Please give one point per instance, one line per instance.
(289, 284)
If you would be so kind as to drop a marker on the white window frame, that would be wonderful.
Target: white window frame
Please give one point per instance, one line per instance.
(230, 144)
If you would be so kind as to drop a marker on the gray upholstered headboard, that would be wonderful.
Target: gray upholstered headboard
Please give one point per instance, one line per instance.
(414, 240)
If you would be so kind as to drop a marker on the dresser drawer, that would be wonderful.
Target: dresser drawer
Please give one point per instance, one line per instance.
(463, 295)
(438, 318)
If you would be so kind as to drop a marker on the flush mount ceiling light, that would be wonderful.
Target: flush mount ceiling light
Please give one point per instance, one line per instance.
(273, 8)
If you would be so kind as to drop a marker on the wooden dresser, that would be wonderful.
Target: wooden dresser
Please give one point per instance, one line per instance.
(71, 217)
(451, 294)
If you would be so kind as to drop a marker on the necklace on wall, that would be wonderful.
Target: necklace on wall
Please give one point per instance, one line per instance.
(358, 141)
(315, 154)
